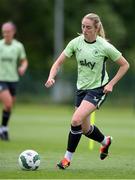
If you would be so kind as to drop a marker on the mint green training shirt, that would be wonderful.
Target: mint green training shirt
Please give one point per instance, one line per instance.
(10, 54)
(91, 59)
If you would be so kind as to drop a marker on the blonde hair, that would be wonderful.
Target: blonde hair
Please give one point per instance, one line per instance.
(9, 24)
(97, 23)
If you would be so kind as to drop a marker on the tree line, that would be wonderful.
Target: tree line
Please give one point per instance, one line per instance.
(35, 28)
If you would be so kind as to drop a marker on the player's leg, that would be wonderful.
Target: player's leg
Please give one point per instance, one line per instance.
(97, 97)
(76, 131)
(7, 100)
(92, 132)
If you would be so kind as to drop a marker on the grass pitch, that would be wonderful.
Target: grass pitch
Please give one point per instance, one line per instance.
(45, 129)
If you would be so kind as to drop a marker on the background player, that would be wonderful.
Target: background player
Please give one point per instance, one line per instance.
(11, 53)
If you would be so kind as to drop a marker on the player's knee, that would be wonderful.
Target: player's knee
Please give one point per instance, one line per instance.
(76, 120)
(8, 105)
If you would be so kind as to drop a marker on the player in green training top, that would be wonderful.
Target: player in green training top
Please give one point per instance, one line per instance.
(91, 50)
(12, 53)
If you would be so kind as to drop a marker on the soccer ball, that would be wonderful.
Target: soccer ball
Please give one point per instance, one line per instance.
(29, 160)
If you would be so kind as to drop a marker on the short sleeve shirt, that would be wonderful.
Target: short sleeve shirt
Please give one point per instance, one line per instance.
(10, 54)
(91, 59)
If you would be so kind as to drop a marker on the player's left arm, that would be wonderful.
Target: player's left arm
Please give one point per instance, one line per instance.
(23, 66)
(124, 66)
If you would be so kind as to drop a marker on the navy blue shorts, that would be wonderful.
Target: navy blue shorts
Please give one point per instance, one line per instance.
(11, 86)
(94, 96)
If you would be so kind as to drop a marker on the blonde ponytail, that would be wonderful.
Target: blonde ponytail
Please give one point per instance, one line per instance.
(97, 23)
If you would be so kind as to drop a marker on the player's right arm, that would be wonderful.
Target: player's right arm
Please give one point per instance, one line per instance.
(54, 69)
(68, 52)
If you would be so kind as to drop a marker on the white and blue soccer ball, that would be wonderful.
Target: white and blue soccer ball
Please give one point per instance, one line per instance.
(29, 160)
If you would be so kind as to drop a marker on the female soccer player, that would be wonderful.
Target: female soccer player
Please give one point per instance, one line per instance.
(11, 53)
(91, 50)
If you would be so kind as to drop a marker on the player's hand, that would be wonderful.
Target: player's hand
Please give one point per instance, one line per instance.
(21, 70)
(108, 88)
(50, 82)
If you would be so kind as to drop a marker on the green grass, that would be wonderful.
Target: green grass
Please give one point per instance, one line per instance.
(45, 128)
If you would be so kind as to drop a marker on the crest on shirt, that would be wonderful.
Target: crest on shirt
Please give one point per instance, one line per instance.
(95, 52)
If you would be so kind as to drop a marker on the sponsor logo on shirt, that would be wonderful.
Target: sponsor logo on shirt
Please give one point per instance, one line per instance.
(88, 64)
(6, 59)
